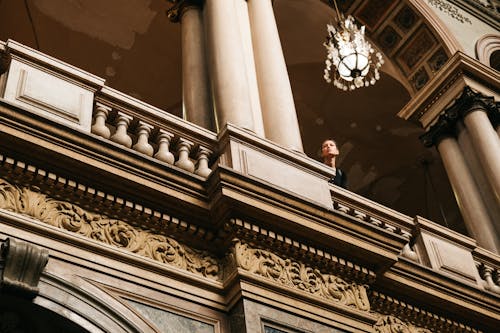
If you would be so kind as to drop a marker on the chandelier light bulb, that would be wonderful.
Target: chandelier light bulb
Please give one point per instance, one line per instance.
(351, 62)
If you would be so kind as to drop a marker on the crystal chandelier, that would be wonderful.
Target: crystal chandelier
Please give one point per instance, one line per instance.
(355, 62)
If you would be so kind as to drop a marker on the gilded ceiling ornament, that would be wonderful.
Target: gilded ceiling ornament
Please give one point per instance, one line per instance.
(67, 216)
(390, 324)
(299, 276)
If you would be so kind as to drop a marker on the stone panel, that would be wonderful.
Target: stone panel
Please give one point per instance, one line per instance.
(285, 175)
(49, 95)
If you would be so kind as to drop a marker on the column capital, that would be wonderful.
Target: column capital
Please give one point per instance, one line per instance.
(471, 101)
(175, 12)
(468, 102)
(444, 127)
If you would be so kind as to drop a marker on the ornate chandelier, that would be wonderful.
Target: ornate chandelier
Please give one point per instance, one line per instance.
(355, 62)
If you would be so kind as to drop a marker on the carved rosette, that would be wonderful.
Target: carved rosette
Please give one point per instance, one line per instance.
(117, 233)
(390, 324)
(296, 275)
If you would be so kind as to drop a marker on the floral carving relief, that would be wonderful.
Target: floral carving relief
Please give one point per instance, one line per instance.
(390, 324)
(67, 216)
(299, 276)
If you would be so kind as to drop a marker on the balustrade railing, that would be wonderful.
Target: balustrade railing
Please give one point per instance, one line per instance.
(375, 214)
(152, 132)
(489, 270)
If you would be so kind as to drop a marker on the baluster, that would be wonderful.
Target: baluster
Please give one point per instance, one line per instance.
(163, 154)
(488, 277)
(121, 136)
(143, 145)
(184, 147)
(101, 115)
(202, 164)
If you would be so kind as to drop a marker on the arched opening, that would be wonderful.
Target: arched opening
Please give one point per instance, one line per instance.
(382, 154)
(22, 316)
(495, 60)
(488, 50)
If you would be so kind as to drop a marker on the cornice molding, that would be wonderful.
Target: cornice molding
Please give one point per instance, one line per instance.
(299, 250)
(296, 275)
(390, 324)
(117, 233)
(396, 312)
(477, 8)
(459, 72)
(469, 101)
(111, 205)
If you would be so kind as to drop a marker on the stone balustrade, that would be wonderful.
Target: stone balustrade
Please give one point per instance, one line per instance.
(488, 267)
(375, 214)
(69, 96)
(152, 133)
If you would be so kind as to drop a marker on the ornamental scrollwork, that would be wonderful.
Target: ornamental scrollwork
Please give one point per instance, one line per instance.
(299, 276)
(70, 217)
(390, 324)
(449, 9)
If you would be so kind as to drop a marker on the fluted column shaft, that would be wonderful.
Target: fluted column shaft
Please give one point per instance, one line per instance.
(487, 146)
(278, 108)
(474, 213)
(227, 65)
(196, 96)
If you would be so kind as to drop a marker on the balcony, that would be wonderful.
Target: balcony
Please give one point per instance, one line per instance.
(96, 168)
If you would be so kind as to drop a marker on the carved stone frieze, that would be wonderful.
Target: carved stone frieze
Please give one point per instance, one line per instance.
(390, 324)
(398, 316)
(296, 275)
(23, 264)
(70, 217)
(449, 9)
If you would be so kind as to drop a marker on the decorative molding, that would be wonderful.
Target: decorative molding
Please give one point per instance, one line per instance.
(296, 275)
(23, 264)
(485, 10)
(468, 101)
(391, 324)
(109, 203)
(114, 232)
(301, 251)
(486, 46)
(449, 9)
(410, 319)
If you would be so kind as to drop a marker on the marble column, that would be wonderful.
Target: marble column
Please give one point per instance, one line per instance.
(469, 200)
(196, 95)
(470, 156)
(227, 65)
(474, 110)
(278, 108)
(253, 89)
(468, 196)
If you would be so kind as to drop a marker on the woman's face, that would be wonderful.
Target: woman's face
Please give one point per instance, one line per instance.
(329, 148)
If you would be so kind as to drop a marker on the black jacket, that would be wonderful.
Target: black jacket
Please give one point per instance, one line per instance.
(340, 178)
